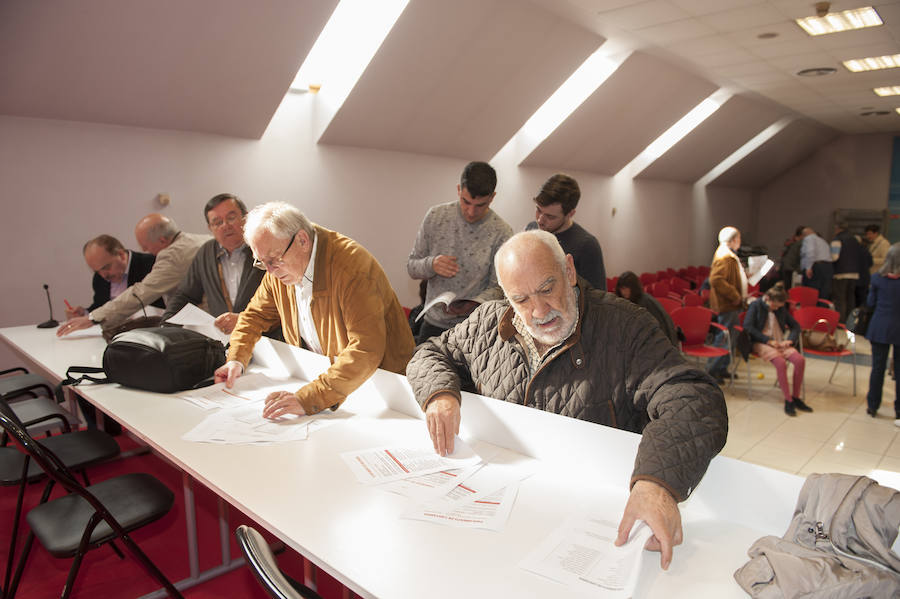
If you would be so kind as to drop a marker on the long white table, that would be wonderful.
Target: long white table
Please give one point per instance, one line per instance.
(303, 493)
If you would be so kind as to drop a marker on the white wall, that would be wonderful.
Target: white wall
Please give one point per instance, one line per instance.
(65, 182)
(852, 171)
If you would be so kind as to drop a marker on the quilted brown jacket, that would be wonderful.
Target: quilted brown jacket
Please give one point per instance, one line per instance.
(617, 369)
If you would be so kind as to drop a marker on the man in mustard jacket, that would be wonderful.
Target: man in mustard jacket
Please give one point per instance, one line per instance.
(331, 297)
(727, 292)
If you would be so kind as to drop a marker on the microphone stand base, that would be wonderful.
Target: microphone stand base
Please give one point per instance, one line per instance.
(49, 324)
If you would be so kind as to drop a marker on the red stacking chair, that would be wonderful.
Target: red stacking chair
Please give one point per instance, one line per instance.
(669, 304)
(812, 318)
(692, 299)
(647, 278)
(662, 275)
(800, 296)
(660, 289)
(611, 284)
(679, 285)
(694, 322)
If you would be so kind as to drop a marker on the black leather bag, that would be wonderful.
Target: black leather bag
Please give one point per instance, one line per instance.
(858, 319)
(160, 359)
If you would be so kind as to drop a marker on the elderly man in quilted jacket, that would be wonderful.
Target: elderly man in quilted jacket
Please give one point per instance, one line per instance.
(559, 345)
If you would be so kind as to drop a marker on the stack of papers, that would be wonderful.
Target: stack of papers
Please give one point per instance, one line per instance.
(458, 490)
(239, 419)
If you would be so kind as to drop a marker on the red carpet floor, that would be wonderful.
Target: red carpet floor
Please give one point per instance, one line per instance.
(103, 574)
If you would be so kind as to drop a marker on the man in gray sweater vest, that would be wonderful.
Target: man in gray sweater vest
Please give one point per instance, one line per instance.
(455, 249)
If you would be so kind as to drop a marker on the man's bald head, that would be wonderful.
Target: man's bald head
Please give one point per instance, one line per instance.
(155, 233)
(538, 280)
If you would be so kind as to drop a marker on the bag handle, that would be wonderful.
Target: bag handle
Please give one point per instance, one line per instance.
(85, 371)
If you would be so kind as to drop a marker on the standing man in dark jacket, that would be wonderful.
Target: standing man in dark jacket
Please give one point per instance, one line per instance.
(557, 345)
(847, 255)
(221, 278)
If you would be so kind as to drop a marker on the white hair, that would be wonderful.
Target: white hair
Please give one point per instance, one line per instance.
(279, 219)
(528, 239)
(727, 234)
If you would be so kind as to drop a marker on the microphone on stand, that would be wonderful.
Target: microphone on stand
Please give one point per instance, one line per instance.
(49, 324)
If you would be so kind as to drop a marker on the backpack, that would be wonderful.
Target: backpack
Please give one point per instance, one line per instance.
(160, 359)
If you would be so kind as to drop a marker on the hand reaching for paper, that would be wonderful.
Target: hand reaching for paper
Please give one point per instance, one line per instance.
(280, 403)
(654, 505)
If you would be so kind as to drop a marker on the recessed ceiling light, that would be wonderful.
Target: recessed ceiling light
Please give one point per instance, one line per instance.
(835, 22)
(898, 110)
(873, 63)
(891, 90)
(817, 72)
(875, 113)
(767, 35)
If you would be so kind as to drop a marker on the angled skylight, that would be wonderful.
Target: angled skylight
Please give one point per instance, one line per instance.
(742, 152)
(676, 132)
(835, 22)
(346, 45)
(595, 70)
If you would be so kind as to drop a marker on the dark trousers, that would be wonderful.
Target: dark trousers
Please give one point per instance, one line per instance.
(822, 274)
(90, 418)
(719, 366)
(876, 379)
(843, 292)
(427, 331)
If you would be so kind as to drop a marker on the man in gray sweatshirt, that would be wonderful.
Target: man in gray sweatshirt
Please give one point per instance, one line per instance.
(455, 249)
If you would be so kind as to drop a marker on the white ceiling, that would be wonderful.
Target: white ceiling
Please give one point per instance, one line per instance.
(459, 78)
(718, 39)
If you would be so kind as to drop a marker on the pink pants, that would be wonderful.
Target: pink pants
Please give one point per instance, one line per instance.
(779, 359)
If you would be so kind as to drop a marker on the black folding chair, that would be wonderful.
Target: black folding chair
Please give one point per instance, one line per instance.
(262, 562)
(88, 517)
(77, 451)
(32, 398)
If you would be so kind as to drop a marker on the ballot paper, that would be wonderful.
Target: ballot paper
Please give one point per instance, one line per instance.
(385, 464)
(757, 267)
(429, 485)
(252, 387)
(246, 425)
(465, 507)
(581, 554)
(92, 331)
(193, 318)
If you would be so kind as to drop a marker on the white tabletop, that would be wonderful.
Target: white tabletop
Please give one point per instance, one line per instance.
(304, 493)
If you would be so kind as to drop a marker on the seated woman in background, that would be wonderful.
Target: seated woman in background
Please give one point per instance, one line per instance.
(629, 287)
(884, 328)
(765, 322)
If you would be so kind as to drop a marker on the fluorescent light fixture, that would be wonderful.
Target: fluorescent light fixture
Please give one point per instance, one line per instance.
(592, 73)
(676, 132)
(347, 44)
(873, 63)
(835, 22)
(742, 152)
(898, 110)
(892, 90)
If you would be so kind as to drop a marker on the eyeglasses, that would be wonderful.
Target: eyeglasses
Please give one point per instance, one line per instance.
(229, 220)
(275, 263)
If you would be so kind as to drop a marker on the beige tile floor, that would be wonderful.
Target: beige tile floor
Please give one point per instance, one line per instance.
(837, 437)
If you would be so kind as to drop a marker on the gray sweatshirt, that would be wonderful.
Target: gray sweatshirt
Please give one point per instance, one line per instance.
(444, 231)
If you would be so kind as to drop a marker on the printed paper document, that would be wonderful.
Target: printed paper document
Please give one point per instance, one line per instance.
(581, 554)
(385, 464)
(193, 318)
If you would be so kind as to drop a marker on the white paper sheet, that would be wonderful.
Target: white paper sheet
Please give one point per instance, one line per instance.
(445, 298)
(757, 267)
(252, 387)
(420, 488)
(385, 464)
(246, 425)
(193, 318)
(93, 331)
(581, 554)
(465, 507)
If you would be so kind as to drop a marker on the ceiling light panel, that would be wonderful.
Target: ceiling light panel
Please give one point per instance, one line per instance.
(835, 22)
(893, 90)
(873, 63)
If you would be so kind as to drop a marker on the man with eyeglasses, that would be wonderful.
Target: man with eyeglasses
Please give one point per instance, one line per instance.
(174, 250)
(330, 296)
(221, 278)
(115, 269)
